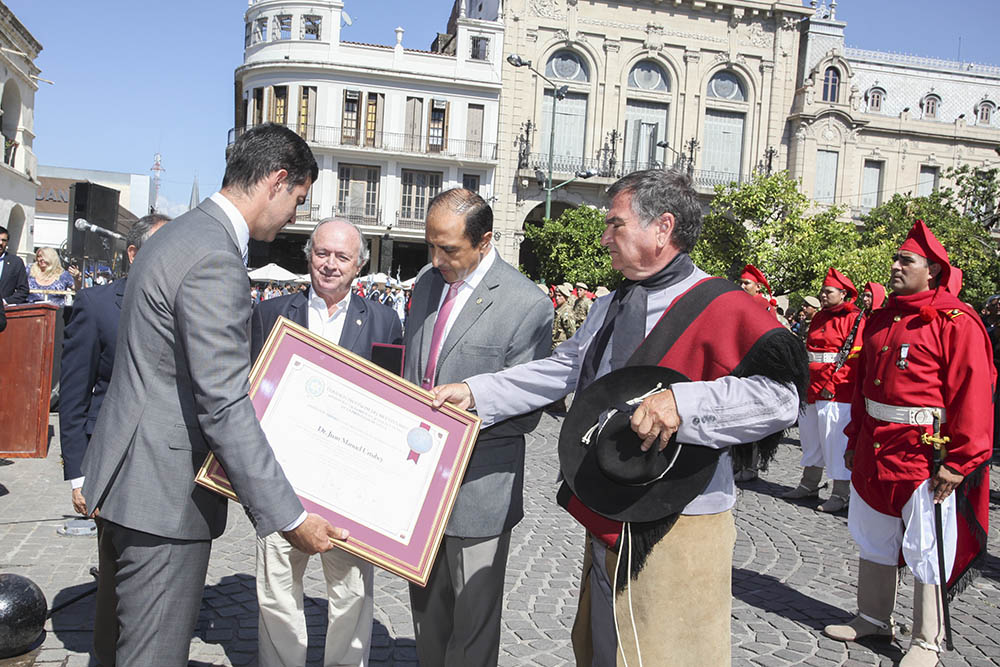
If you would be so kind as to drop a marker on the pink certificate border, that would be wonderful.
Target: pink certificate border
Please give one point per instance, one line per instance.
(412, 561)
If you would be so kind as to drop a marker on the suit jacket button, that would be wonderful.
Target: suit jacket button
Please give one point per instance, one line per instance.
(876, 382)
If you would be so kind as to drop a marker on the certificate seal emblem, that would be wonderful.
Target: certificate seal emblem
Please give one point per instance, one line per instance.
(419, 441)
(315, 387)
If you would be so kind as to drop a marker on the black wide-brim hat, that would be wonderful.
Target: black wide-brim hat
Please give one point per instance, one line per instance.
(601, 459)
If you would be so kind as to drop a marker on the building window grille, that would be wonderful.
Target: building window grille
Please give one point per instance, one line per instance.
(437, 126)
(567, 66)
(831, 85)
(283, 22)
(931, 105)
(985, 114)
(647, 75)
(471, 182)
(311, 27)
(357, 192)
(875, 99)
(480, 48)
(349, 127)
(279, 110)
(727, 86)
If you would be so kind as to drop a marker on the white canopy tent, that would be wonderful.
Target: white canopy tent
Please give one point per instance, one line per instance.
(272, 273)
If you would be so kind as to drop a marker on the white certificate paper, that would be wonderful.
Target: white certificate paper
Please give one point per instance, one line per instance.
(349, 450)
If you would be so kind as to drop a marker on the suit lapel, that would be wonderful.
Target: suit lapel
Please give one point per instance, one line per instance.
(355, 321)
(298, 310)
(427, 331)
(213, 210)
(480, 299)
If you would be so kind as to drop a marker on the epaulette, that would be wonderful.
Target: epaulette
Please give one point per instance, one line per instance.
(954, 312)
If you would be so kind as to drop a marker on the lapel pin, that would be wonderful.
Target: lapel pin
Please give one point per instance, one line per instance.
(358, 322)
(479, 300)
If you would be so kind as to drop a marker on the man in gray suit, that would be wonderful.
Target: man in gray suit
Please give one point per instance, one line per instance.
(179, 390)
(336, 251)
(471, 312)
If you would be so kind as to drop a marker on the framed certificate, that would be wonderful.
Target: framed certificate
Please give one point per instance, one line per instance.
(361, 447)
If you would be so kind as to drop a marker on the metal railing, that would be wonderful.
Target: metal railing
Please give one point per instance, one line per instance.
(394, 142)
(360, 215)
(852, 53)
(566, 164)
(410, 223)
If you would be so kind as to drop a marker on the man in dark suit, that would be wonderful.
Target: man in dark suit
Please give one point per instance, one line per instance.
(13, 277)
(179, 390)
(471, 312)
(336, 251)
(87, 359)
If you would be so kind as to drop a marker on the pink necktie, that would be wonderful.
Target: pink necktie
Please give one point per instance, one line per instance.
(437, 338)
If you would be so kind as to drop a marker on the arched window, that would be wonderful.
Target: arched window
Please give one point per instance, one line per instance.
(567, 66)
(727, 86)
(984, 115)
(875, 98)
(647, 75)
(831, 85)
(931, 106)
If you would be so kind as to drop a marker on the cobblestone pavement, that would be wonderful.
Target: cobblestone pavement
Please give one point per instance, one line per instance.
(794, 571)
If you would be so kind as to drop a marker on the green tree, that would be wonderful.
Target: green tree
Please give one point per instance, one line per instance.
(569, 249)
(769, 223)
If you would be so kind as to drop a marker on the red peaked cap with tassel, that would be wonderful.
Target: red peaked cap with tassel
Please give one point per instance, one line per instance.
(954, 281)
(751, 272)
(922, 241)
(835, 278)
(878, 294)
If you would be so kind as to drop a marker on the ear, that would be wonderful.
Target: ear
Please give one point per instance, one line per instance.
(276, 180)
(485, 242)
(665, 228)
(935, 270)
(131, 252)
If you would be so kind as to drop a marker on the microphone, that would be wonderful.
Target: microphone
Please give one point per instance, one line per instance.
(85, 226)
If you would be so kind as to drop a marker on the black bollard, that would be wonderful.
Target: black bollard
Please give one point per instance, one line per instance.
(22, 614)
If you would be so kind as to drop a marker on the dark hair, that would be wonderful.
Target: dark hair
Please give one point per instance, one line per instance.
(3, 230)
(265, 149)
(478, 214)
(142, 229)
(658, 191)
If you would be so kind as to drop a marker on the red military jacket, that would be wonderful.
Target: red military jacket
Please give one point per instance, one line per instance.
(827, 332)
(948, 364)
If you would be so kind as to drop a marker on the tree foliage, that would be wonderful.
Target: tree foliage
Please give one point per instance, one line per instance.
(569, 249)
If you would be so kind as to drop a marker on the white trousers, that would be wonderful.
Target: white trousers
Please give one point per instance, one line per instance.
(880, 536)
(821, 432)
(283, 637)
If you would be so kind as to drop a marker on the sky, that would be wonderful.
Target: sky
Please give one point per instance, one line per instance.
(135, 77)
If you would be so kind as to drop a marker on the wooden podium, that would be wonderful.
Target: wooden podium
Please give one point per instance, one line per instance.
(26, 349)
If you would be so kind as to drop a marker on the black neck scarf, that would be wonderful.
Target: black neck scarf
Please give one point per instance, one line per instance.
(626, 318)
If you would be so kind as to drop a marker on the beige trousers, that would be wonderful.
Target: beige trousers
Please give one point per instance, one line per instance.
(283, 636)
(680, 604)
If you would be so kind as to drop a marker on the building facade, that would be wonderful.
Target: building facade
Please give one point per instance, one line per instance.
(390, 126)
(19, 166)
(724, 88)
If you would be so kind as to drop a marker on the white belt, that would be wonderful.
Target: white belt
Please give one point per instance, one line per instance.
(902, 414)
(822, 357)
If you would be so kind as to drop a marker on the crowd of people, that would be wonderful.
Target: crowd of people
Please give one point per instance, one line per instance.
(894, 398)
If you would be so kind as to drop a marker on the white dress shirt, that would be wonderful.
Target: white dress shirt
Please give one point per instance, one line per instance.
(321, 322)
(469, 285)
(743, 409)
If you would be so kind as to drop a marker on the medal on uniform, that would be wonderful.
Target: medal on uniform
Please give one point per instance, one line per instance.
(904, 351)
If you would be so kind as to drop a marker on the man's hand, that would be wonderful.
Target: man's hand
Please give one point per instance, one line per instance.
(313, 535)
(458, 394)
(656, 417)
(944, 482)
(849, 459)
(79, 502)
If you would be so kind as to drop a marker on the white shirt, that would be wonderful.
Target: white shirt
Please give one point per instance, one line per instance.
(236, 219)
(743, 409)
(328, 326)
(469, 285)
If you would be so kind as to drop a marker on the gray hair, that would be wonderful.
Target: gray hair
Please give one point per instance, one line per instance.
(658, 191)
(143, 229)
(362, 246)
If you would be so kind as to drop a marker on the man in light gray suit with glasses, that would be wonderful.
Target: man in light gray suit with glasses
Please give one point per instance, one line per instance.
(179, 391)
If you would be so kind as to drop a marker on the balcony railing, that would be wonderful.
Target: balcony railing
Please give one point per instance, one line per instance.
(566, 164)
(411, 221)
(393, 142)
(360, 215)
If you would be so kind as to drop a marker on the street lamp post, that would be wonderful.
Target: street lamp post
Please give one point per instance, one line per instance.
(558, 93)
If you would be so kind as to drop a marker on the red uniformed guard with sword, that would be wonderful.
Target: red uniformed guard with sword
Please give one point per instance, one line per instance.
(920, 435)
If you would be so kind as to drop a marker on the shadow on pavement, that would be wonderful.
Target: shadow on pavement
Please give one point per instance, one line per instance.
(769, 594)
(74, 624)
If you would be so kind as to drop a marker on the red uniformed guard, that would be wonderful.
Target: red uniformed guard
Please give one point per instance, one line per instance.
(833, 343)
(753, 282)
(925, 359)
(872, 297)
